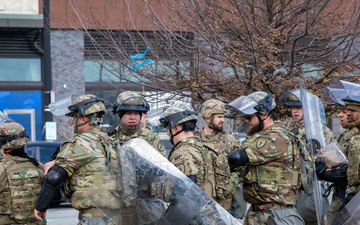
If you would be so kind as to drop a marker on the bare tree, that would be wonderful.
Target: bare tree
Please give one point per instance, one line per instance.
(224, 48)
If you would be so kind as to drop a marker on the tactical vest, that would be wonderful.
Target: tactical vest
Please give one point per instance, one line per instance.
(217, 172)
(91, 185)
(275, 177)
(25, 181)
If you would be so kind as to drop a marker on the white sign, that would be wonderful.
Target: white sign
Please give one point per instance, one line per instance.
(50, 131)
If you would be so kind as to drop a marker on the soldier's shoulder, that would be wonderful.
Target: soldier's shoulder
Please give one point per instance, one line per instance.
(146, 131)
(229, 137)
(197, 133)
(355, 138)
(194, 140)
(73, 139)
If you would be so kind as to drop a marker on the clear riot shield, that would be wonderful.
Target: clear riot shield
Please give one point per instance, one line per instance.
(188, 203)
(333, 96)
(314, 118)
(350, 214)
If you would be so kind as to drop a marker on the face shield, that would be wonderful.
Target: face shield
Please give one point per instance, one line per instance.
(290, 98)
(351, 89)
(155, 115)
(332, 96)
(61, 107)
(242, 106)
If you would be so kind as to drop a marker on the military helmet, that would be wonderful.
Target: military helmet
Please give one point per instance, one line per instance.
(290, 98)
(177, 114)
(130, 101)
(86, 105)
(257, 102)
(12, 134)
(211, 107)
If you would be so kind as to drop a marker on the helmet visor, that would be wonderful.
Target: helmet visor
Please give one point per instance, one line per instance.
(332, 96)
(243, 106)
(61, 107)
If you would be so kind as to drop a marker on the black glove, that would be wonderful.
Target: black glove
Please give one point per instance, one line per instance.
(237, 158)
(234, 159)
(313, 145)
(320, 169)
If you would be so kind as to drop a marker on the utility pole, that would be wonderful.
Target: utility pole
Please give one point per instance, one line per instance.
(47, 73)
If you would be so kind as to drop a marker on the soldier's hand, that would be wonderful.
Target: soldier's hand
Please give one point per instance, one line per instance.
(313, 145)
(39, 215)
(163, 189)
(320, 169)
(48, 166)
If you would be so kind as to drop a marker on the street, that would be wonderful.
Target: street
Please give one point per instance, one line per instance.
(63, 214)
(66, 215)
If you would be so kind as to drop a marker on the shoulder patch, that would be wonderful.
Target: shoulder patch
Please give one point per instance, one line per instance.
(161, 146)
(260, 143)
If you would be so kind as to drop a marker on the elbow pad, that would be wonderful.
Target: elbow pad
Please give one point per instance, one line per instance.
(51, 186)
(237, 158)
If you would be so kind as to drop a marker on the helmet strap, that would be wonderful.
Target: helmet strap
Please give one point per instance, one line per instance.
(76, 129)
(211, 123)
(173, 135)
(261, 121)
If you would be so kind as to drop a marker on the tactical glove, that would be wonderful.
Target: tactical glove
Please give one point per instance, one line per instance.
(320, 169)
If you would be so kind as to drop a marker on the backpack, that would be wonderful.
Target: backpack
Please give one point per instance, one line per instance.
(225, 181)
(285, 216)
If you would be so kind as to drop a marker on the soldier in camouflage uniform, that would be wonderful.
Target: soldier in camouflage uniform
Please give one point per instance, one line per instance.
(291, 99)
(189, 154)
(213, 135)
(130, 106)
(269, 161)
(296, 126)
(21, 176)
(347, 131)
(347, 174)
(89, 167)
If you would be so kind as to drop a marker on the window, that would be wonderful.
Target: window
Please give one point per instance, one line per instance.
(20, 69)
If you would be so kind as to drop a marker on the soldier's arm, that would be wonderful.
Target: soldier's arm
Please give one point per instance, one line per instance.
(51, 186)
(186, 163)
(265, 149)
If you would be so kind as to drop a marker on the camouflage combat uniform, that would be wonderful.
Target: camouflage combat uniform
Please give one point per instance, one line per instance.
(222, 143)
(191, 157)
(20, 183)
(353, 152)
(130, 101)
(93, 169)
(298, 128)
(344, 140)
(272, 176)
(21, 177)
